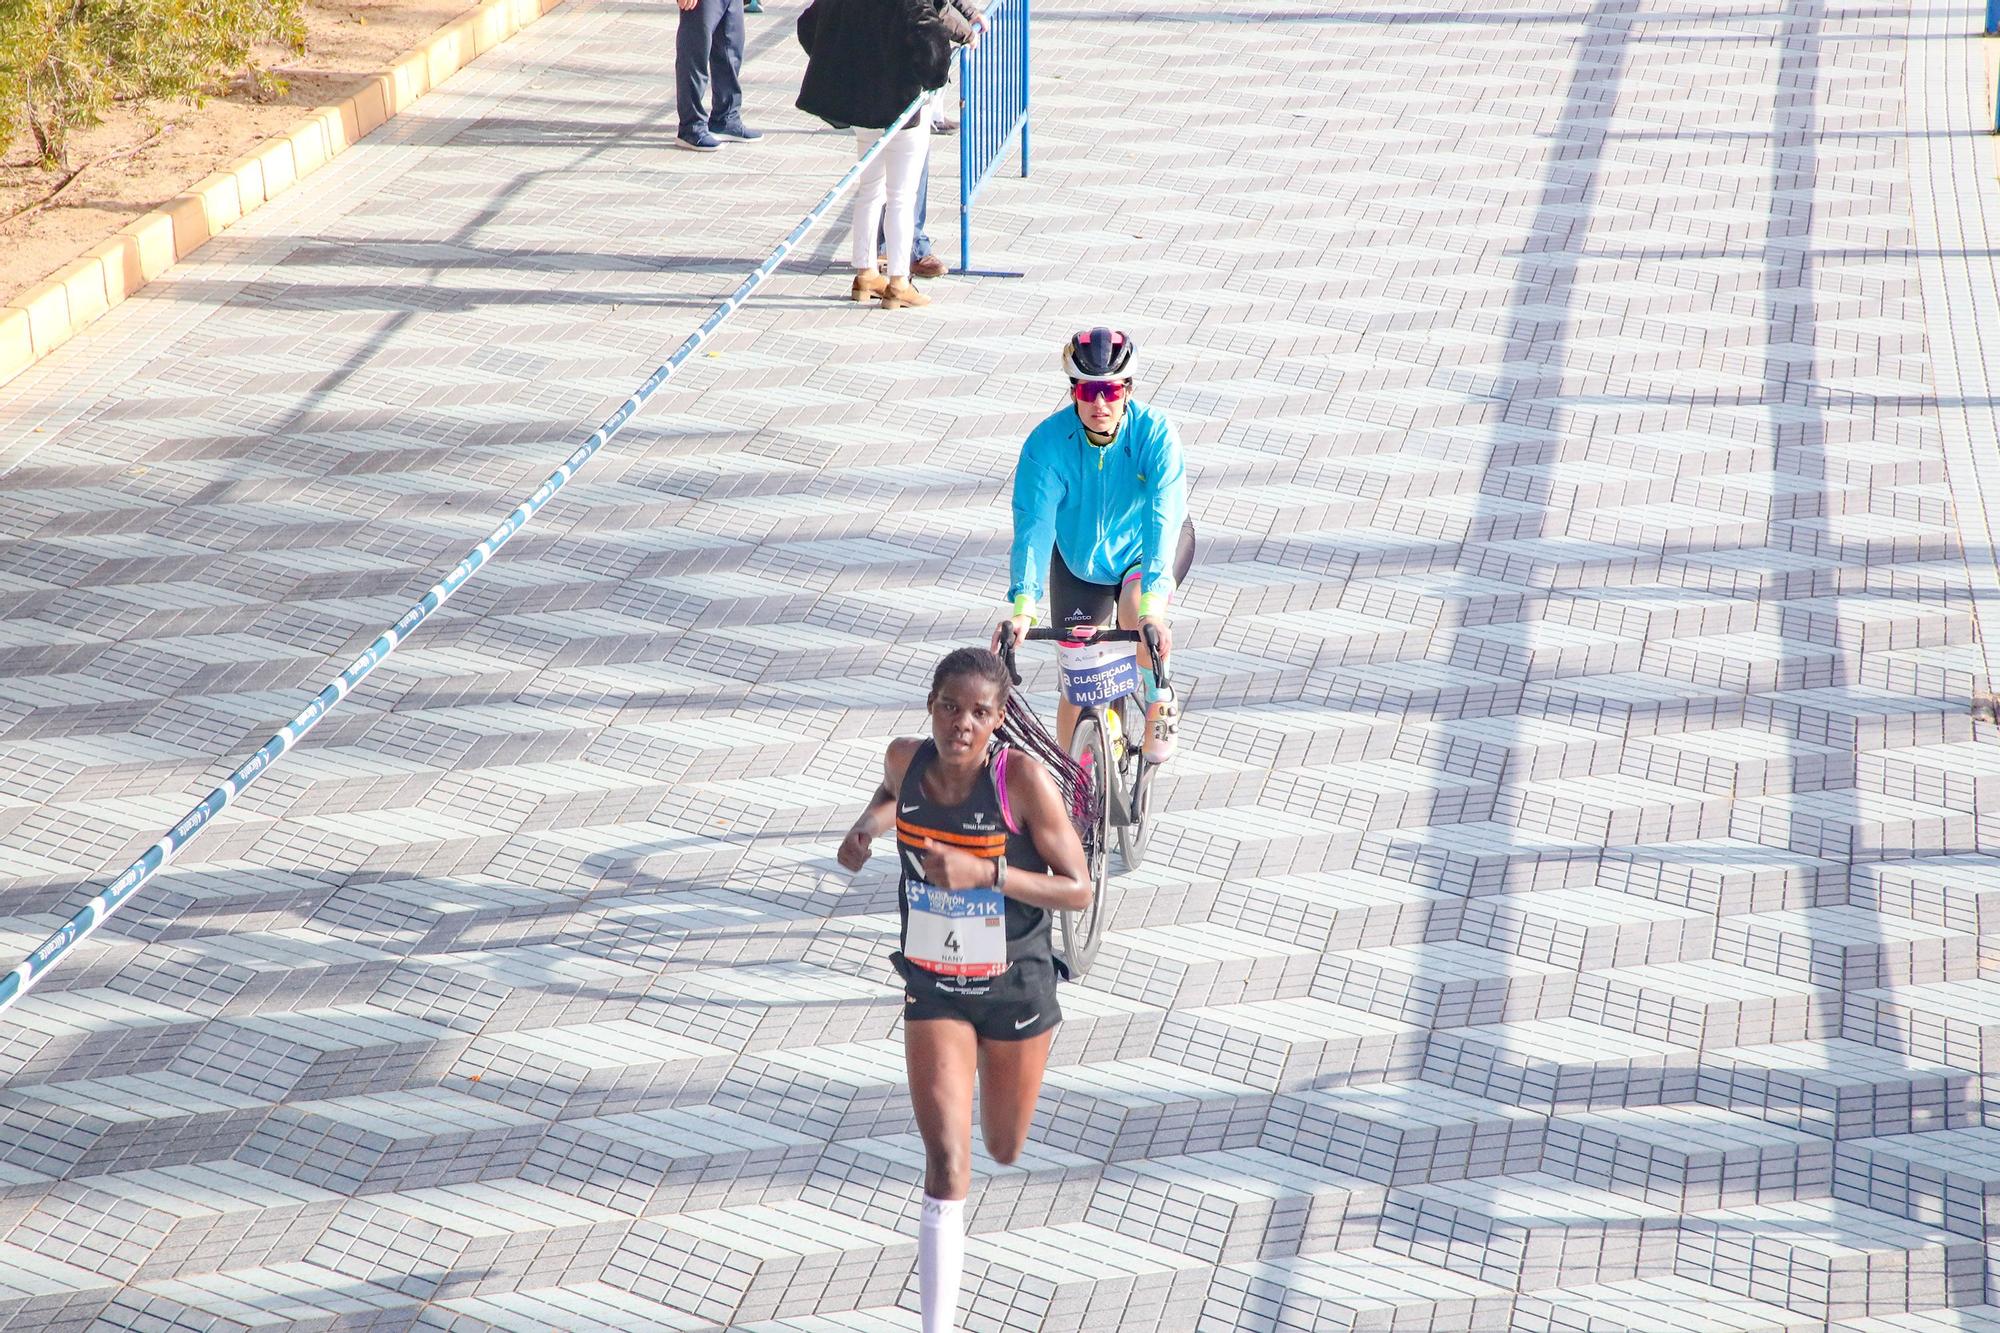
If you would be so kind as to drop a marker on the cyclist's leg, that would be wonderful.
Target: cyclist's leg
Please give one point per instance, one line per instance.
(1010, 1082)
(1128, 589)
(1128, 614)
(941, 1055)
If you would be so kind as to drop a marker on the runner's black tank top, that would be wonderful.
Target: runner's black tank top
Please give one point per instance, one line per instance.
(978, 825)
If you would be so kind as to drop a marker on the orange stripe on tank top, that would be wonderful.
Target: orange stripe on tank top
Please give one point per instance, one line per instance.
(996, 845)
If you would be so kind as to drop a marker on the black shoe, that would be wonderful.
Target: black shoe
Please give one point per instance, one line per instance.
(700, 141)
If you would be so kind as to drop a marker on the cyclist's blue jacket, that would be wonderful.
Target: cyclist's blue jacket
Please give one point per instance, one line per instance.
(1105, 510)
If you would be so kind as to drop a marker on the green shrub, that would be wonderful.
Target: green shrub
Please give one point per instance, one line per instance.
(62, 62)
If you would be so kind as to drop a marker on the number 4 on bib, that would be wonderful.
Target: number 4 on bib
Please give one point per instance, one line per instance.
(962, 934)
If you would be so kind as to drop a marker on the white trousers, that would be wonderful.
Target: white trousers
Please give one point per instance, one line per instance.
(885, 200)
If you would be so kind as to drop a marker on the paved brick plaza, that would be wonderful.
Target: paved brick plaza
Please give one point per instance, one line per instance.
(1571, 913)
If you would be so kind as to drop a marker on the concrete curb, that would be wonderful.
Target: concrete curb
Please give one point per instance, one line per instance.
(49, 314)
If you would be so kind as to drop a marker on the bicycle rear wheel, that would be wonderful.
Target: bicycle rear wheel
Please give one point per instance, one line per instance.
(1083, 931)
(1135, 782)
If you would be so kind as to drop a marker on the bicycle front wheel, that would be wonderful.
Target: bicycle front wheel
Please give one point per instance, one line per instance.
(1135, 785)
(1083, 931)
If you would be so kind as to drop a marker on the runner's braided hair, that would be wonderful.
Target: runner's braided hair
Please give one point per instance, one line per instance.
(1024, 731)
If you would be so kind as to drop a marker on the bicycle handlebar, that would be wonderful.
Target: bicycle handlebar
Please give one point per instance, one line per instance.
(1050, 634)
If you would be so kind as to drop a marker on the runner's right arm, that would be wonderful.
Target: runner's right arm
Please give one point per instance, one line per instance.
(880, 814)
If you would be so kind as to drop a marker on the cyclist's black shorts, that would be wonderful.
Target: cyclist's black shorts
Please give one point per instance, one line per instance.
(1018, 1004)
(1074, 602)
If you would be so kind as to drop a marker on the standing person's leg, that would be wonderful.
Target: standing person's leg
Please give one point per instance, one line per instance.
(692, 44)
(726, 63)
(924, 262)
(905, 156)
(871, 194)
(941, 1056)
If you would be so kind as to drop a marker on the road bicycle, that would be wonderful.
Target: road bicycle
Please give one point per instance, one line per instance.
(1109, 745)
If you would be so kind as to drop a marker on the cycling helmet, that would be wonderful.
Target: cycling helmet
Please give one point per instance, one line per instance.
(1100, 354)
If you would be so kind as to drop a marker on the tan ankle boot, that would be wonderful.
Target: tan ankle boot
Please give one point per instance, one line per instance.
(867, 285)
(902, 292)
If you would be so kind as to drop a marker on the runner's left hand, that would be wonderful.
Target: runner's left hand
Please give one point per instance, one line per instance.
(950, 868)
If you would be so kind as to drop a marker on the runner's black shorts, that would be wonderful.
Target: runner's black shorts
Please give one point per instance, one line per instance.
(1074, 602)
(1018, 1004)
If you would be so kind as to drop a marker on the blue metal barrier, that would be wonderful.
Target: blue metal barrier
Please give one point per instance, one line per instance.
(85, 923)
(993, 107)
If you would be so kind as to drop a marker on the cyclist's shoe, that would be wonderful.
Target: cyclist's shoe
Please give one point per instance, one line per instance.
(1163, 717)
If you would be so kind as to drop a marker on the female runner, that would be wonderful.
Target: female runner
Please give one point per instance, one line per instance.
(988, 853)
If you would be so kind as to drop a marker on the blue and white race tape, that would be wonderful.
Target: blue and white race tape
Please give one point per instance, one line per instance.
(135, 877)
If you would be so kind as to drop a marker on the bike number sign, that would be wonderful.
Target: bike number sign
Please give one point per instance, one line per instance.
(1097, 673)
(961, 933)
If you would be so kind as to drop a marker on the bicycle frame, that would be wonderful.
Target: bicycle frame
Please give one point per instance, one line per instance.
(1082, 931)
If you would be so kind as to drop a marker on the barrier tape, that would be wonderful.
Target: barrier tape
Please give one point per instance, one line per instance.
(135, 876)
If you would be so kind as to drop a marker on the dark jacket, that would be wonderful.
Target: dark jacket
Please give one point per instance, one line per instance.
(867, 60)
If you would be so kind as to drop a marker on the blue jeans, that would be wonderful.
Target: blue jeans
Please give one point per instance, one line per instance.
(709, 49)
(921, 247)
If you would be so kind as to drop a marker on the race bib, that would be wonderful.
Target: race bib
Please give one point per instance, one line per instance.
(1097, 673)
(957, 934)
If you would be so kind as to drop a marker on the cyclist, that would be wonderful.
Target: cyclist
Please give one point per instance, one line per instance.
(1100, 505)
(988, 854)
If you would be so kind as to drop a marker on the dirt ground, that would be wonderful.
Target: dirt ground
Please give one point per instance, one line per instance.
(347, 42)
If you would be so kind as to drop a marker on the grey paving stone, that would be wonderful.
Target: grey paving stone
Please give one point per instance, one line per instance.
(1830, 1260)
(1687, 1158)
(169, 1221)
(1077, 1276)
(738, 1265)
(1230, 1207)
(298, 1295)
(1530, 1233)
(124, 1122)
(1359, 1289)
(394, 1140)
(39, 1292)
(469, 1240)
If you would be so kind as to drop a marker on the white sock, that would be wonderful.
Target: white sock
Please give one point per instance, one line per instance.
(940, 1259)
